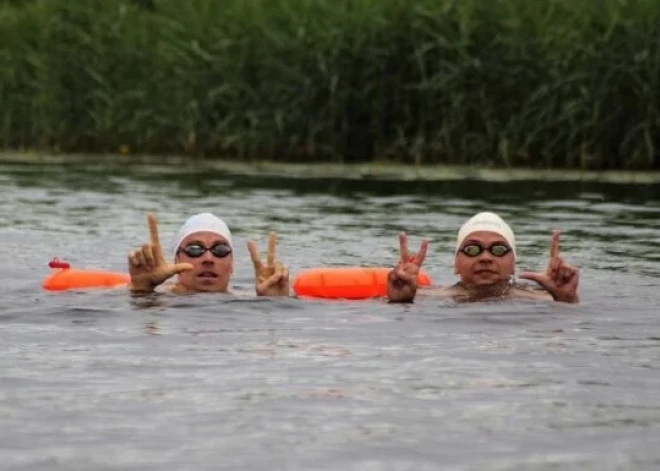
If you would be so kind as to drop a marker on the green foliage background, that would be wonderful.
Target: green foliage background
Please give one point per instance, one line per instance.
(544, 83)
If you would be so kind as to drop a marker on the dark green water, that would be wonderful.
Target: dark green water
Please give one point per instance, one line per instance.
(94, 380)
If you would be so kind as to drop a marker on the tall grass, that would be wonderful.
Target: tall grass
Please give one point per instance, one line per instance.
(545, 83)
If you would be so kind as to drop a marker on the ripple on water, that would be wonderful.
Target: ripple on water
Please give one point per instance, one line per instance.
(99, 380)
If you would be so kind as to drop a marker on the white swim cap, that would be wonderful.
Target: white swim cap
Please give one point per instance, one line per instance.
(203, 222)
(490, 222)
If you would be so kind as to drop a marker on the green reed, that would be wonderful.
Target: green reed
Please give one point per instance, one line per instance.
(549, 83)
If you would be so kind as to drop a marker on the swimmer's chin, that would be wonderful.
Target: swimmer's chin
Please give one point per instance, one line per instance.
(207, 287)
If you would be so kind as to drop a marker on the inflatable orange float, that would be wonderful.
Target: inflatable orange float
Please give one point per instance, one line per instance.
(346, 282)
(323, 282)
(66, 277)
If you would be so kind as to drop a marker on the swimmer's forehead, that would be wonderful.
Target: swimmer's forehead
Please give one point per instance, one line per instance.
(484, 236)
(204, 237)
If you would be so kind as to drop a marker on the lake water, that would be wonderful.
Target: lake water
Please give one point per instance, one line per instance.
(95, 380)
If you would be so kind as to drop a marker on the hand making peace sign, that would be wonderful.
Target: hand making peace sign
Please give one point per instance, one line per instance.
(402, 279)
(560, 278)
(271, 279)
(147, 265)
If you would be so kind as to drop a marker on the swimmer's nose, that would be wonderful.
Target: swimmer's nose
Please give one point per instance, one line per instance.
(207, 258)
(485, 257)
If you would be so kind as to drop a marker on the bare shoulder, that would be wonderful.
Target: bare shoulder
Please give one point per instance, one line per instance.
(457, 292)
(170, 287)
(530, 292)
(438, 291)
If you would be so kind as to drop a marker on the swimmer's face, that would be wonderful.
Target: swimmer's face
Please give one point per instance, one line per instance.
(485, 268)
(210, 272)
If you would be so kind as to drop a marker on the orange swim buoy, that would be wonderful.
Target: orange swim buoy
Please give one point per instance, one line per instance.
(346, 282)
(323, 282)
(67, 278)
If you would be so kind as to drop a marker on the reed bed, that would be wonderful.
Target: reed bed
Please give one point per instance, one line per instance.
(517, 83)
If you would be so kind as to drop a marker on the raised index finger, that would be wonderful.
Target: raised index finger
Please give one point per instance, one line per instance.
(153, 230)
(270, 255)
(554, 244)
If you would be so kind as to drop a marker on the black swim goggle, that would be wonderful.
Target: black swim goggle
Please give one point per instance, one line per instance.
(197, 250)
(497, 249)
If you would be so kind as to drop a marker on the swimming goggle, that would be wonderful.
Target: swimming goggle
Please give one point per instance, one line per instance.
(197, 250)
(497, 249)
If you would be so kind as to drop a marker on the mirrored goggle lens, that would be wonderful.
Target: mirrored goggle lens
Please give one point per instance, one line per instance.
(498, 250)
(472, 250)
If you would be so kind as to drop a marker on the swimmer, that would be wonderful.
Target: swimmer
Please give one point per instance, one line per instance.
(485, 258)
(203, 261)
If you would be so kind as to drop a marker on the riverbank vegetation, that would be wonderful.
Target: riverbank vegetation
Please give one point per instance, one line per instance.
(506, 83)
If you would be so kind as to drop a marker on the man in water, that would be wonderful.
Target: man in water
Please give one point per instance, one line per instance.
(485, 259)
(203, 260)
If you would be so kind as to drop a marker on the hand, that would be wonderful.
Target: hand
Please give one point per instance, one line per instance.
(560, 278)
(271, 279)
(402, 279)
(147, 266)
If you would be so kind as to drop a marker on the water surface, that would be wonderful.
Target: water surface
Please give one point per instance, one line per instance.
(95, 380)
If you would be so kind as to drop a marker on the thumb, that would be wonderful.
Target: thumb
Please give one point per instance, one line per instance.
(178, 268)
(534, 276)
